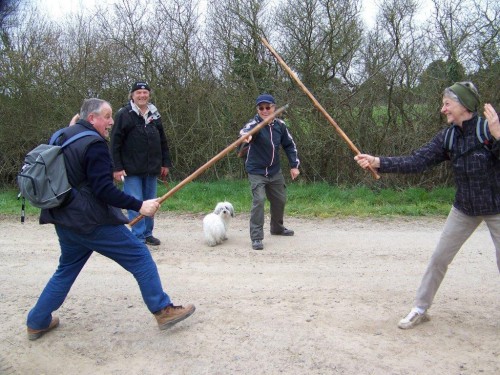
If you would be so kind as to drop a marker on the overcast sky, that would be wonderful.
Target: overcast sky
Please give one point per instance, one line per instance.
(58, 8)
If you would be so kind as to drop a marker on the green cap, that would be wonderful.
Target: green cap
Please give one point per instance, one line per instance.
(467, 96)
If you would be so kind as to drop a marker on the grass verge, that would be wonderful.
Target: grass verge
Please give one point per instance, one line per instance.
(304, 200)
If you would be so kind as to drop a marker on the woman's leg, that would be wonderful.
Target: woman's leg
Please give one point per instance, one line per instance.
(458, 228)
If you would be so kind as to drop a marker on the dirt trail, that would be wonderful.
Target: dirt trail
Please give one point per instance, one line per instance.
(326, 301)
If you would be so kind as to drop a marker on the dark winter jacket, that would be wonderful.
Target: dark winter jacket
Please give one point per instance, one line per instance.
(94, 198)
(477, 173)
(139, 146)
(263, 157)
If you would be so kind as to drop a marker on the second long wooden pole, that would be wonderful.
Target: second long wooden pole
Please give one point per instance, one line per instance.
(315, 102)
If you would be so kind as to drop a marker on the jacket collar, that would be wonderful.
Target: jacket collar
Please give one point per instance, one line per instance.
(86, 125)
(152, 110)
(467, 123)
(259, 119)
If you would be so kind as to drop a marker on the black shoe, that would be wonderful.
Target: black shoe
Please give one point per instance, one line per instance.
(257, 245)
(286, 232)
(152, 241)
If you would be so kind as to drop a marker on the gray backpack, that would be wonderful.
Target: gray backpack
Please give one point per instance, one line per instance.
(43, 180)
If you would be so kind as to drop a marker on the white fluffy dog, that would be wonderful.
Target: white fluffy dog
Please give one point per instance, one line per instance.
(216, 223)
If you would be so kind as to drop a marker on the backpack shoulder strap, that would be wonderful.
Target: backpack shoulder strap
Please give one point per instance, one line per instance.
(482, 131)
(56, 135)
(85, 133)
(482, 135)
(449, 137)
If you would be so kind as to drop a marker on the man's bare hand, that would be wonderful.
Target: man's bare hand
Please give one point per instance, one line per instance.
(149, 207)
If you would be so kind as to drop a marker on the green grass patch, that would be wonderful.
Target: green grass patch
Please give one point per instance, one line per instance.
(304, 200)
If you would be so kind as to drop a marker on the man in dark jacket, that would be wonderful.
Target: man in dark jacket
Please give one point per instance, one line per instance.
(264, 170)
(91, 220)
(140, 153)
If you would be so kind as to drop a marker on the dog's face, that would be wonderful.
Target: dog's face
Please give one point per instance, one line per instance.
(224, 209)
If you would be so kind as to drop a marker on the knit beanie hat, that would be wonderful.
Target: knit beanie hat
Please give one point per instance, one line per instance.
(141, 85)
(467, 95)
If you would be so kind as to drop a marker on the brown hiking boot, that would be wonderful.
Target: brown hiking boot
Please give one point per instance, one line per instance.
(34, 334)
(170, 315)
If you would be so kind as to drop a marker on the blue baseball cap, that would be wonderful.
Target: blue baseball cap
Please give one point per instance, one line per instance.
(265, 98)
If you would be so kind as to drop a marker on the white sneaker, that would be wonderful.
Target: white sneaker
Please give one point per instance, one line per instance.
(412, 319)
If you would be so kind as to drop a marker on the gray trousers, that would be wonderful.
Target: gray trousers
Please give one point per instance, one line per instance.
(275, 190)
(457, 229)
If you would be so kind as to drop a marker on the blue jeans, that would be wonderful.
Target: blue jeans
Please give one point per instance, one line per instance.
(113, 241)
(142, 188)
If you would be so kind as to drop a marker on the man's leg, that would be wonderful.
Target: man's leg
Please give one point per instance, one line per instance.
(133, 185)
(150, 189)
(119, 244)
(257, 186)
(276, 194)
(73, 258)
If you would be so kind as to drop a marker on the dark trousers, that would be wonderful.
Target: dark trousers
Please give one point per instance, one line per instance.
(274, 189)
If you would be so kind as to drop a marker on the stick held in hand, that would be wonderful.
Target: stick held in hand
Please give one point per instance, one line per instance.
(315, 102)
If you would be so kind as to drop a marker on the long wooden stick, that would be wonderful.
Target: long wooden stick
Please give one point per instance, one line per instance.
(316, 103)
(212, 161)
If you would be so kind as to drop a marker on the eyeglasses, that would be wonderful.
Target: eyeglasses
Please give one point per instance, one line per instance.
(266, 108)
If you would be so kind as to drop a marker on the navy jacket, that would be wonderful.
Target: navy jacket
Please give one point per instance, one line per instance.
(263, 157)
(94, 199)
(477, 174)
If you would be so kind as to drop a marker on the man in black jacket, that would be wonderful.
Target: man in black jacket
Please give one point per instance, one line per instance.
(140, 153)
(91, 220)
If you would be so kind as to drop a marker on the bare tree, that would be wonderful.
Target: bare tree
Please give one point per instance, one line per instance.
(135, 33)
(320, 39)
(27, 89)
(186, 48)
(234, 31)
(382, 85)
(452, 26)
(484, 49)
(8, 11)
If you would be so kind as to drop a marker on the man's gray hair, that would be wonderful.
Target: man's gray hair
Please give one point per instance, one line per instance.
(92, 105)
